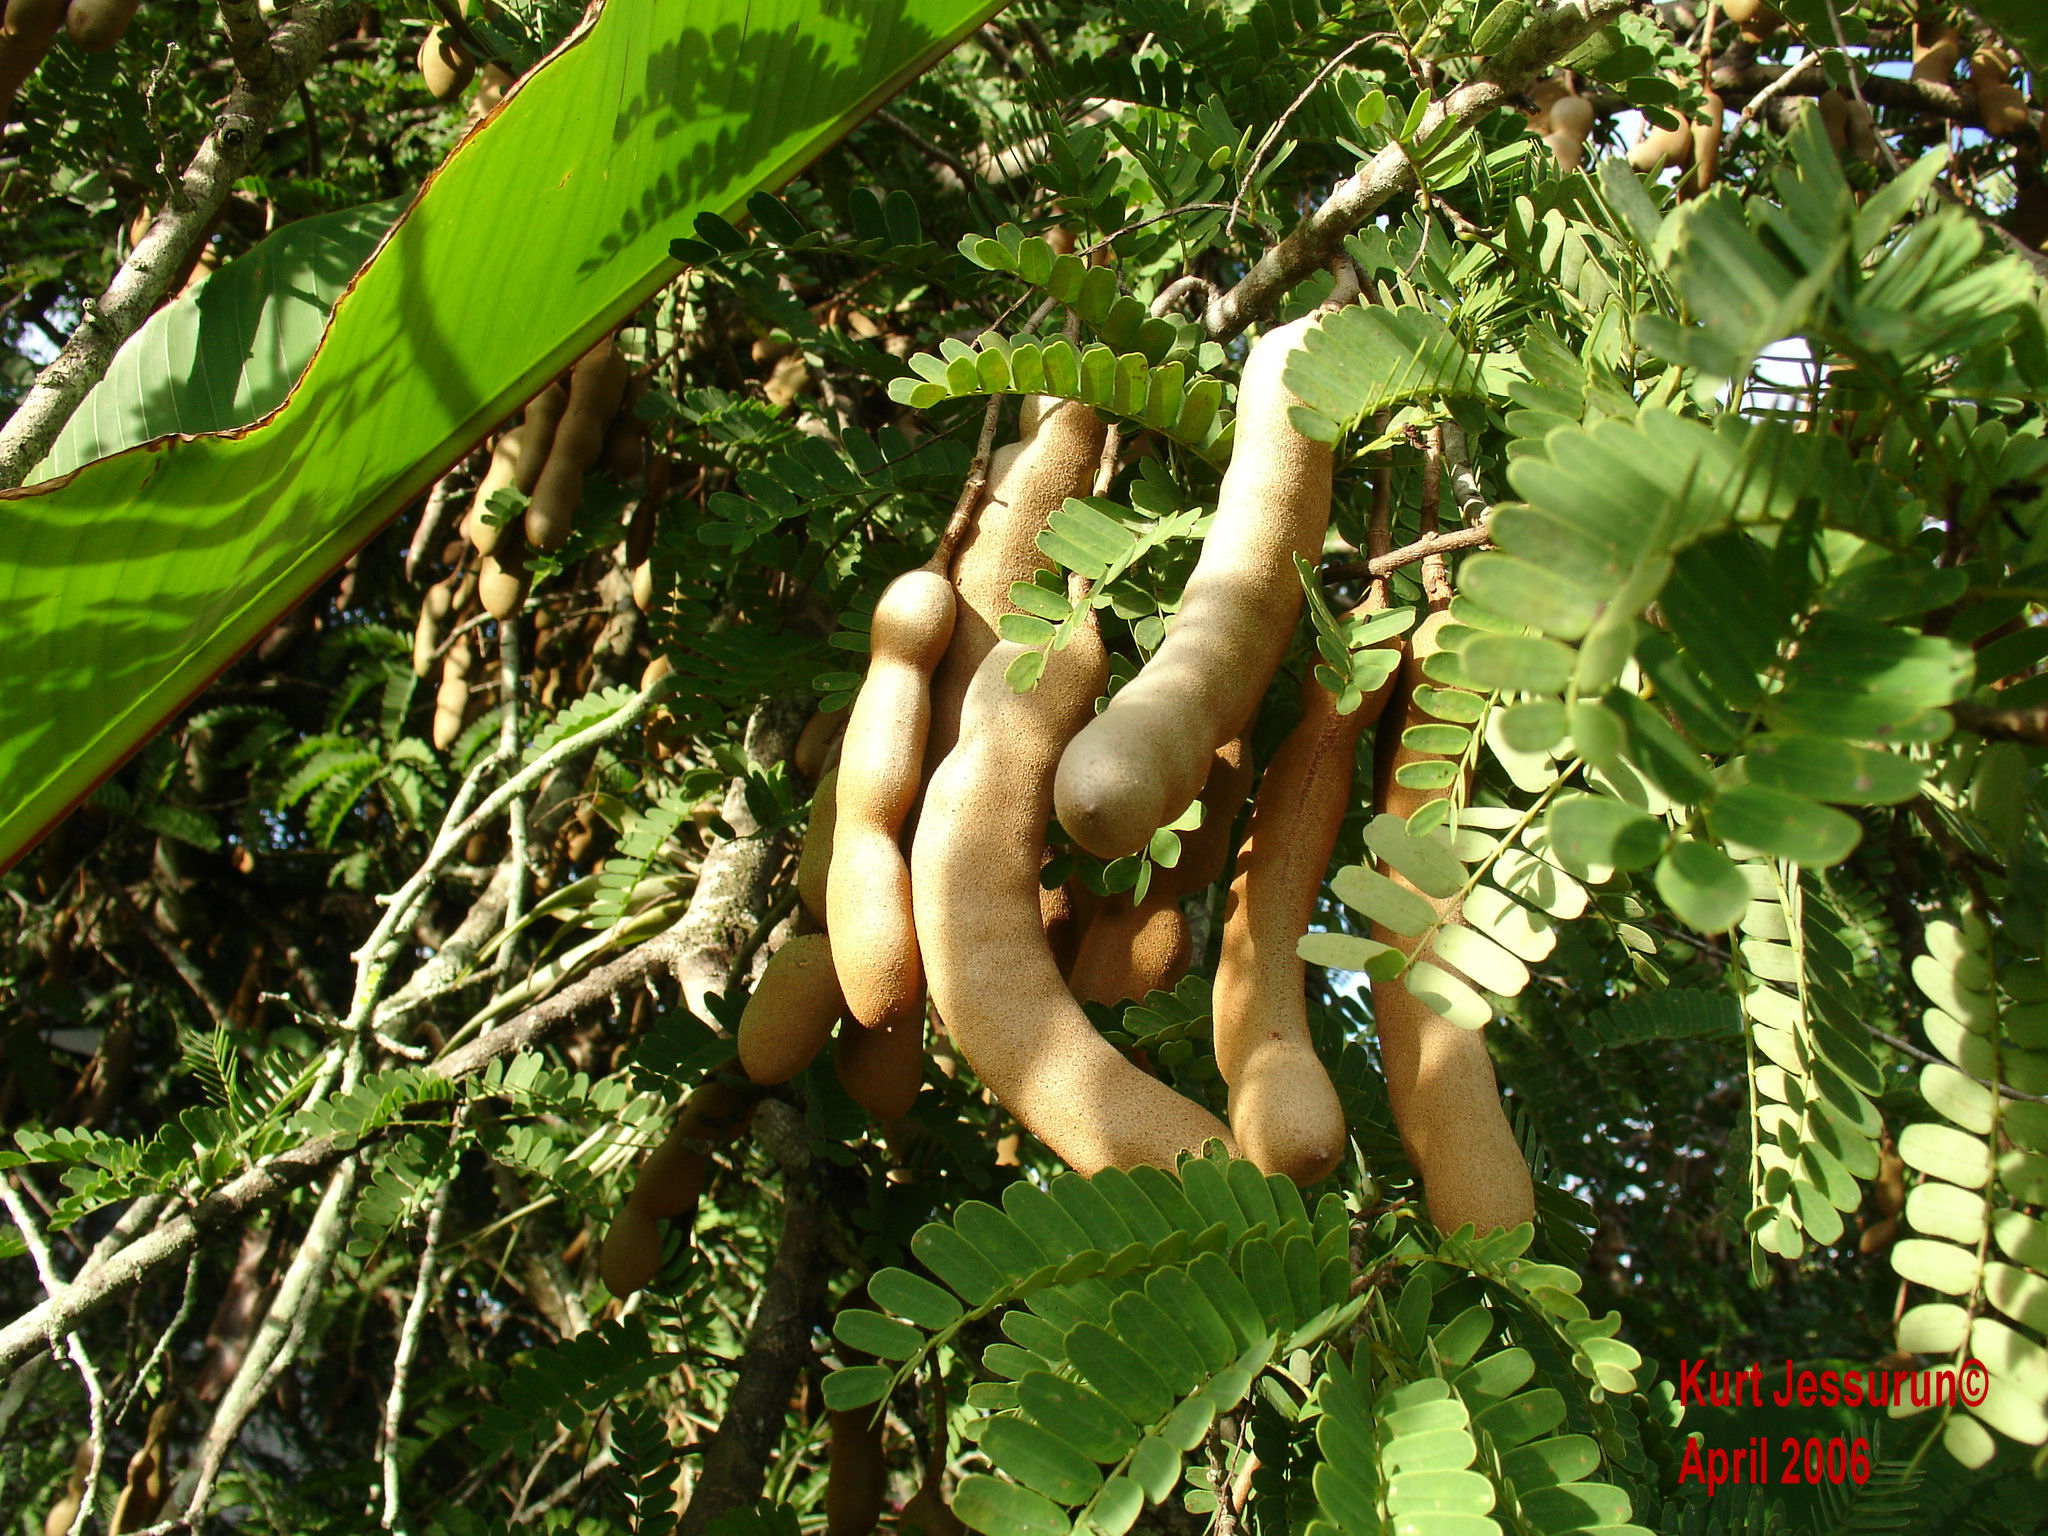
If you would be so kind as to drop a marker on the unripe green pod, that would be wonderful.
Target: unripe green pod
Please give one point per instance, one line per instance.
(974, 865)
(790, 1016)
(1138, 764)
(868, 903)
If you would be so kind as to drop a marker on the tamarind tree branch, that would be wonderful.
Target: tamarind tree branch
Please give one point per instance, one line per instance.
(2028, 726)
(1311, 243)
(248, 39)
(196, 198)
(1421, 549)
(46, 1271)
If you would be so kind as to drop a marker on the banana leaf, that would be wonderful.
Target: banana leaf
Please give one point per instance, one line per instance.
(130, 583)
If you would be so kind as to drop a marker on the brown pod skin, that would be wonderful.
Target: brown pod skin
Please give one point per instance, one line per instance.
(1663, 147)
(1130, 950)
(502, 580)
(142, 1495)
(1059, 444)
(1064, 913)
(58, 1521)
(444, 65)
(451, 702)
(1937, 49)
(2003, 109)
(857, 1475)
(814, 864)
(435, 607)
(974, 869)
(1834, 119)
(543, 417)
(1439, 1077)
(1135, 766)
(94, 26)
(671, 1179)
(790, 1016)
(815, 740)
(1706, 148)
(27, 28)
(867, 901)
(881, 1069)
(500, 474)
(1860, 134)
(1757, 20)
(596, 386)
(1282, 1106)
(643, 586)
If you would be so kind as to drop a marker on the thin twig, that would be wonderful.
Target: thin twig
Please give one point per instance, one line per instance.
(1408, 554)
(1177, 292)
(72, 1345)
(508, 751)
(408, 1348)
(970, 489)
(1244, 182)
(163, 1342)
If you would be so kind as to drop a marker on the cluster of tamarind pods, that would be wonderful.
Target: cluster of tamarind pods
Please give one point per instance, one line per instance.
(28, 28)
(919, 879)
(571, 427)
(447, 67)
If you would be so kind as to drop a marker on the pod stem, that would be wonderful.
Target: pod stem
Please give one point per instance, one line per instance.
(970, 492)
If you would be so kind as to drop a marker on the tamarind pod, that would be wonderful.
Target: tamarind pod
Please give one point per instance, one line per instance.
(1878, 1235)
(498, 475)
(927, 1514)
(1130, 949)
(790, 1016)
(491, 89)
(142, 1494)
(27, 28)
(1568, 149)
(1937, 48)
(974, 878)
(867, 899)
(596, 385)
(1064, 913)
(856, 1474)
(503, 581)
(1439, 1077)
(670, 1181)
(655, 671)
(58, 1521)
(1663, 147)
(538, 425)
(1888, 1189)
(1833, 107)
(640, 527)
(643, 586)
(1860, 134)
(426, 636)
(451, 702)
(1059, 443)
(815, 740)
(625, 446)
(2002, 109)
(94, 26)
(882, 1069)
(814, 863)
(1572, 114)
(1135, 766)
(1756, 20)
(445, 65)
(1282, 1106)
(1706, 146)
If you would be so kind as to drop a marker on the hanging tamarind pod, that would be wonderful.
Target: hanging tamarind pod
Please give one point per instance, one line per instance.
(1058, 445)
(1543, 95)
(1138, 764)
(27, 28)
(1756, 20)
(1132, 948)
(498, 475)
(451, 702)
(791, 1013)
(974, 877)
(625, 436)
(815, 740)
(94, 26)
(1663, 148)
(1937, 49)
(1064, 913)
(1706, 148)
(502, 579)
(881, 1069)
(148, 1481)
(1859, 134)
(1833, 107)
(1283, 1108)
(671, 1179)
(1440, 1078)
(814, 863)
(443, 601)
(1571, 121)
(2002, 108)
(57, 1522)
(867, 900)
(596, 385)
(856, 1475)
(444, 64)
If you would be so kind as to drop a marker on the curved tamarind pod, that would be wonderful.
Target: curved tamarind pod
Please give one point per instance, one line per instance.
(435, 607)
(867, 900)
(1282, 1106)
(1568, 148)
(1135, 766)
(451, 702)
(815, 740)
(27, 28)
(1661, 148)
(856, 1474)
(1937, 48)
(596, 385)
(1706, 147)
(643, 586)
(445, 65)
(538, 425)
(814, 863)
(671, 1179)
(790, 1016)
(1130, 949)
(94, 26)
(148, 1481)
(881, 1069)
(498, 475)
(1439, 1077)
(58, 1521)
(1059, 443)
(974, 876)
(2002, 109)
(502, 580)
